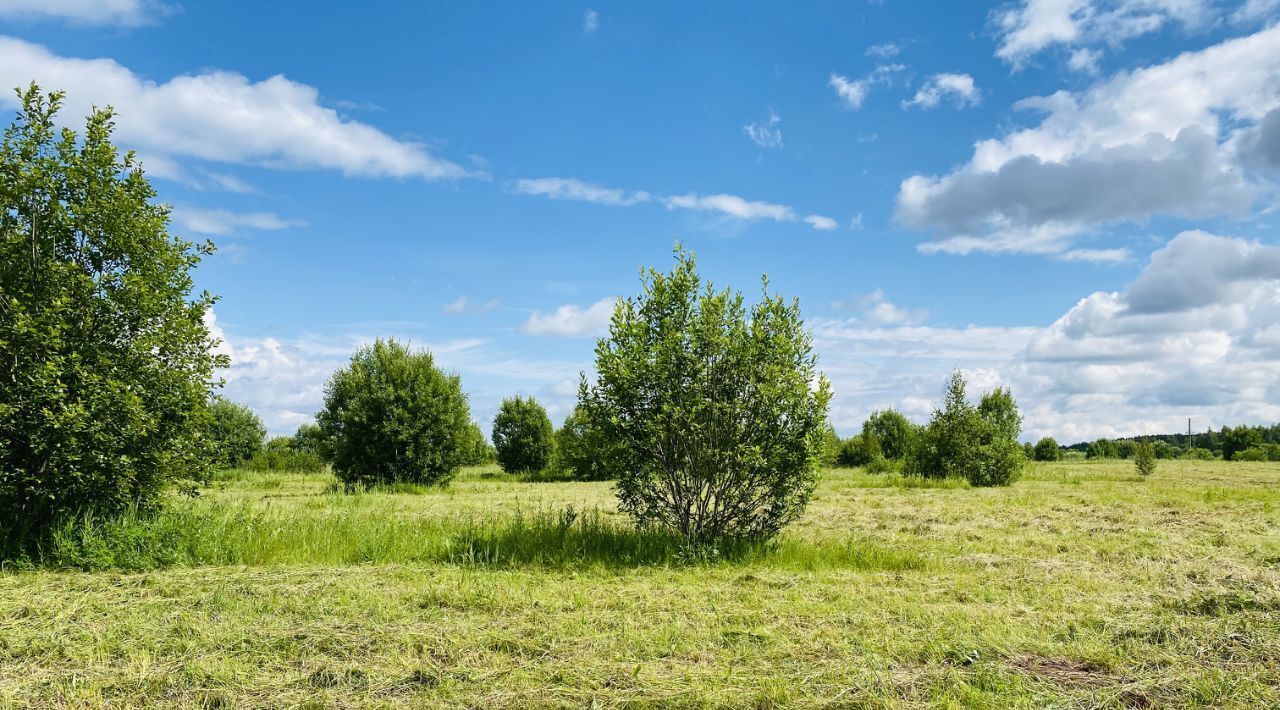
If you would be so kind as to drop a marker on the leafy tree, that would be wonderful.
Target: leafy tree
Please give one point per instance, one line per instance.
(282, 454)
(1144, 457)
(1239, 439)
(1047, 449)
(523, 435)
(858, 450)
(1165, 450)
(830, 446)
(310, 439)
(392, 415)
(976, 443)
(478, 451)
(233, 433)
(583, 451)
(107, 363)
(717, 411)
(895, 433)
(1102, 449)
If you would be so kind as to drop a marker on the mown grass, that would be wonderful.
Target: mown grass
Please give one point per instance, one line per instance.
(1079, 586)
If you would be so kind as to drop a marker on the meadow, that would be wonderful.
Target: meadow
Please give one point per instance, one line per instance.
(1082, 585)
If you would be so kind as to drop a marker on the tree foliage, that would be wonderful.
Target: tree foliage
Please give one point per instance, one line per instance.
(979, 443)
(583, 451)
(522, 435)
(393, 416)
(233, 433)
(107, 363)
(1047, 449)
(717, 411)
(895, 434)
(1144, 457)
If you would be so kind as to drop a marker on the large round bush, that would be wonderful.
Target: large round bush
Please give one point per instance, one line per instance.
(233, 433)
(106, 364)
(582, 451)
(1047, 449)
(716, 410)
(979, 444)
(393, 416)
(522, 435)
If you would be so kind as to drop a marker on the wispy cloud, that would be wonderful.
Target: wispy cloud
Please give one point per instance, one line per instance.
(557, 188)
(590, 21)
(122, 13)
(220, 221)
(765, 134)
(959, 88)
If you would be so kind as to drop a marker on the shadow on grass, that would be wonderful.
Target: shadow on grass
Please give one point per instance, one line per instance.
(197, 533)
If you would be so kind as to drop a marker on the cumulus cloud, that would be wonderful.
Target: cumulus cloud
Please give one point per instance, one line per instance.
(959, 88)
(572, 320)
(876, 308)
(571, 189)
(220, 221)
(1028, 27)
(124, 13)
(765, 134)
(1195, 335)
(1158, 140)
(220, 116)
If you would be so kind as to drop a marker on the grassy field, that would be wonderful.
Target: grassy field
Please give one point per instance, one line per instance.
(1079, 586)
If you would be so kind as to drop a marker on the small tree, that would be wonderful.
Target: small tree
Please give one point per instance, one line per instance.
(979, 443)
(1144, 458)
(392, 415)
(717, 411)
(583, 451)
(522, 435)
(1102, 449)
(108, 364)
(233, 433)
(478, 451)
(1047, 449)
(309, 439)
(894, 432)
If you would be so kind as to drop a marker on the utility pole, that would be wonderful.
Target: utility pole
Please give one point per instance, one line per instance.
(1190, 441)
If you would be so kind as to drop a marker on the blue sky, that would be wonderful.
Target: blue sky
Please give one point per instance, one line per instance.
(1073, 198)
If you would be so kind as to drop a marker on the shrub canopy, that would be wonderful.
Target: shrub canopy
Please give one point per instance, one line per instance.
(582, 451)
(108, 365)
(979, 443)
(522, 435)
(894, 432)
(1047, 449)
(232, 434)
(717, 411)
(393, 416)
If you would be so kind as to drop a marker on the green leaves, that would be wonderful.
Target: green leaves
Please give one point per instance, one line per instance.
(522, 435)
(393, 416)
(979, 443)
(107, 363)
(715, 410)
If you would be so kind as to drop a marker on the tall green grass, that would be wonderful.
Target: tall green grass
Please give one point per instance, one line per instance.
(196, 533)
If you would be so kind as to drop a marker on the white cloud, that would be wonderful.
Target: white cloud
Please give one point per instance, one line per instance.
(572, 320)
(220, 116)
(877, 309)
(219, 221)
(1194, 336)
(1257, 11)
(1159, 140)
(958, 87)
(888, 50)
(1097, 256)
(731, 206)
(1028, 27)
(1084, 61)
(125, 13)
(590, 21)
(765, 134)
(463, 304)
(820, 223)
(854, 91)
(571, 189)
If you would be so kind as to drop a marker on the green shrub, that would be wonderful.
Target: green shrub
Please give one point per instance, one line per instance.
(1239, 439)
(281, 454)
(1199, 454)
(1253, 453)
(1144, 457)
(522, 435)
(582, 451)
(1047, 449)
(108, 362)
(858, 450)
(478, 451)
(979, 444)
(894, 433)
(309, 438)
(883, 465)
(232, 433)
(1103, 449)
(830, 447)
(1165, 450)
(717, 411)
(392, 416)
